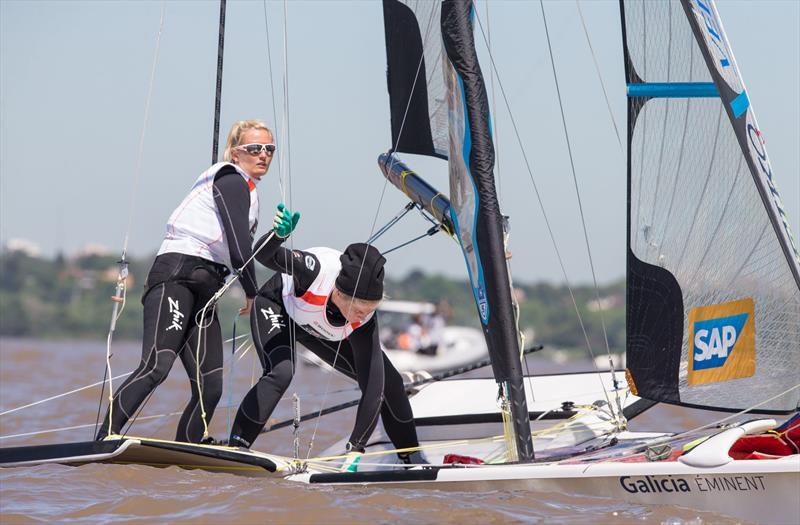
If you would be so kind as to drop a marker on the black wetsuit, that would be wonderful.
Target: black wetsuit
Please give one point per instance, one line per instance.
(360, 358)
(177, 288)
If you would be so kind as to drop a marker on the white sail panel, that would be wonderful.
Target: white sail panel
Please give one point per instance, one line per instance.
(661, 45)
(706, 232)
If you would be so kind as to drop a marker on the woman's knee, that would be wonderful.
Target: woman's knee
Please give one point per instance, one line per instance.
(157, 370)
(212, 388)
(281, 375)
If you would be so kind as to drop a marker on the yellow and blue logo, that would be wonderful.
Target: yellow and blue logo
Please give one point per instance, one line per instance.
(722, 341)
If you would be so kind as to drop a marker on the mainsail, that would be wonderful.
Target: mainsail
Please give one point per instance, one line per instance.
(713, 301)
(440, 108)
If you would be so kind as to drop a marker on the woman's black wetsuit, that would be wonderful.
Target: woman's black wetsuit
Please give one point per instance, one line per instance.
(177, 288)
(359, 357)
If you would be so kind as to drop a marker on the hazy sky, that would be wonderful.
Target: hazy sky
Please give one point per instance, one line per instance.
(74, 81)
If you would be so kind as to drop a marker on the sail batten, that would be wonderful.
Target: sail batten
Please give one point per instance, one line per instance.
(673, 90)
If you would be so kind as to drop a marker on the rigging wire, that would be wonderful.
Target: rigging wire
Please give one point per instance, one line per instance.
(536, 190)
(580, 208)
(272, 92)
(599, 76)
(75, 391)
(287, 189)
(495, 131)
(58, 396)
(372, 228)
(121, 291)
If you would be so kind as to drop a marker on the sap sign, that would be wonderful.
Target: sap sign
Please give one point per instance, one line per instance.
(721, 342)
(715, 339)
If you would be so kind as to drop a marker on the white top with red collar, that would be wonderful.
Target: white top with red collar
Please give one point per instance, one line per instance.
(308, 311)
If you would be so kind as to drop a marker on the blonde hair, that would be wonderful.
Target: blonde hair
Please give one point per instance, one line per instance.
(237, 131)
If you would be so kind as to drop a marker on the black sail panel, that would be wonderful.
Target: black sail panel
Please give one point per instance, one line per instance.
(413, 83)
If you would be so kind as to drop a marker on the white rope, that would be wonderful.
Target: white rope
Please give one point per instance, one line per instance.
(51, 398)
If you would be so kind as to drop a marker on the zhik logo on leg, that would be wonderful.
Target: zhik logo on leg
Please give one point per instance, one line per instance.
(273, 318)
(177, 315)
(722, 342)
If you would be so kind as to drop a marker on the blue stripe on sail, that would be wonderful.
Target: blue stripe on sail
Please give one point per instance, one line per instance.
(673, 90)
(740, 104)
(478, 283)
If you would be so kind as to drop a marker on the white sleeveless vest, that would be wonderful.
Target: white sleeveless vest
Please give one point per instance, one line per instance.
(195, 227)
(308, 311)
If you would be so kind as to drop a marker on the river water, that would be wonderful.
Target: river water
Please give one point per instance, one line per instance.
(32, 370)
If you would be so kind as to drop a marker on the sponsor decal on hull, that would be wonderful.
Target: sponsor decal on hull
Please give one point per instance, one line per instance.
(692, 484)
(722, 342)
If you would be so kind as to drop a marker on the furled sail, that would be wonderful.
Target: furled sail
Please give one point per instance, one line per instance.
(419, 191)
(713, 301)
(437, 93)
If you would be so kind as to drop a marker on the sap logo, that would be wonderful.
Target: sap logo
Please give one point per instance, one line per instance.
(714, 340)
(722, 343)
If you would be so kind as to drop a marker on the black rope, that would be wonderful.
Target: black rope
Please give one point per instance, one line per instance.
(407, 208)
(100, 403)
(217, 101)
(433, 230)
(438, 377)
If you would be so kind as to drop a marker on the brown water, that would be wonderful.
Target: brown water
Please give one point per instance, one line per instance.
(32, 370)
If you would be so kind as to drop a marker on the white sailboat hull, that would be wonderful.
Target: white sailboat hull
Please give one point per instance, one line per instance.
(764, 491)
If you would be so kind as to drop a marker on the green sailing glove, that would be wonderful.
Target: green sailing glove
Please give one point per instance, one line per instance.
(285, 221)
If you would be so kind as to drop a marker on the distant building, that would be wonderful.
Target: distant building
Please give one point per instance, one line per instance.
(29, 248)
(605, 303)
(93, 249)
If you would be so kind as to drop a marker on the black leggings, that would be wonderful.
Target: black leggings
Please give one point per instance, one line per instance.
(178, 287)
(272, 336)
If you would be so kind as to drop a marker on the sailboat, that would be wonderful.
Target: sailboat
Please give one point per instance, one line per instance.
(713, 274)
(713, 293)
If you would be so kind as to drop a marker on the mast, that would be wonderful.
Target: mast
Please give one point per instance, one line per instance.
(476, 212)
(439, 107)
(218, 97)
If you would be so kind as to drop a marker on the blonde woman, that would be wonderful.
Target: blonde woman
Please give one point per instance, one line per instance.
(209, 234)
(326, 300)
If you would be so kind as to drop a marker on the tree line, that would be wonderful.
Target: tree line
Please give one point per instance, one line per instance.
(71, 298)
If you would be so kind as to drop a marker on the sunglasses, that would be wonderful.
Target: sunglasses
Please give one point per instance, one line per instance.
(256, 149)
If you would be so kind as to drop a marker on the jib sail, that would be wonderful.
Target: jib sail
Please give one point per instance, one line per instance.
(713, 301)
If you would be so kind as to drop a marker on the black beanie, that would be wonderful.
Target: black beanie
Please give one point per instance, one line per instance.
(368, 261)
